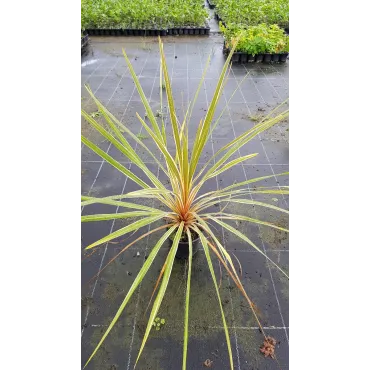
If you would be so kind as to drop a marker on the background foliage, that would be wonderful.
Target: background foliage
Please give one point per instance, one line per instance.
(257, 39)
(254, 12)
(142, 14)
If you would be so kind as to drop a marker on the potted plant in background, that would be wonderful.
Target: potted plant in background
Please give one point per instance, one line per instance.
(183, 209)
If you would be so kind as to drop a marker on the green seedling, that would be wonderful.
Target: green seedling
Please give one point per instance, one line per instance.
(158, 323)
(95, 114)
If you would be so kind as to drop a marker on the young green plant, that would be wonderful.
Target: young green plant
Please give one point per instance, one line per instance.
(183, 210)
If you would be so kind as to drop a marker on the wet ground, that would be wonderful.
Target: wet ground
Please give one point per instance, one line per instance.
(104, 69)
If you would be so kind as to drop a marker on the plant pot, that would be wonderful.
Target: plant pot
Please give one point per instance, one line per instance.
(163, 32)
(196, 31)
(136, 33)
(235, 58)
(186, 31)
(181, 31)
(267, 58)
(251, 58)
(124, 32)
(169, 32)
(191, 31)
(202, 31)
(259, 58)
(243, 58)
(182, 252)
(183, 248)
(275, 58)
(283, 57)
(130, 32)
(207, 31)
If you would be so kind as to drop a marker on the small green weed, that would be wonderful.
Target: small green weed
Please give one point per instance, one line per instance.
(95, 114)
(158, 323)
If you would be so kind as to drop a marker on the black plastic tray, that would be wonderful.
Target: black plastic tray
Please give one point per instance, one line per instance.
(240, 57)
(84, 41)
(135, 32)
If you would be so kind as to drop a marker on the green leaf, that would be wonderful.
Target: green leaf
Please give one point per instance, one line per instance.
(206, 251)
(242, 236)
(162, 289)
(113, 162)
(134, 226)
(114, 216)
(110, 201)
(140, 276)
(187, 301)
(249, 219)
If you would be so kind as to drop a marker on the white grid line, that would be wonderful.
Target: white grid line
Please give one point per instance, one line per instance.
(207, 78)
(101, 83)
(90, 75)
(169, 326)
(261, 141)
(203, 163)
(106, 245)
(259, 227)
(102, 162)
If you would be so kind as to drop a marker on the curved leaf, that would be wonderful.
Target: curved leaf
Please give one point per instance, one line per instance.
(148, 262)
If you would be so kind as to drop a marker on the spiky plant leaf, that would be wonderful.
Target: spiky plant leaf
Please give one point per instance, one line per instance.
(182, 207)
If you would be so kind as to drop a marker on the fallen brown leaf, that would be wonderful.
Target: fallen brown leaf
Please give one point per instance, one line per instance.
(268, 347)
(207, 363)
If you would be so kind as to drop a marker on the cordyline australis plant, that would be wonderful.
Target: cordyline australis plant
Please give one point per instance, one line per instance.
(186, 212)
